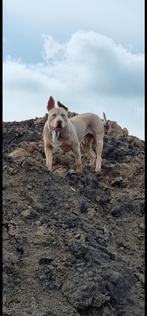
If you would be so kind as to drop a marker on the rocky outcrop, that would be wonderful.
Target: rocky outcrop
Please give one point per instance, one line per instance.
(73, 245)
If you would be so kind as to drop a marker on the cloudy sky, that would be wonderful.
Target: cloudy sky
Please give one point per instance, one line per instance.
(88, 54)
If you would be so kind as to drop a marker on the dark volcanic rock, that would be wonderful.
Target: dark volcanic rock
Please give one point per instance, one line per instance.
(73, 244)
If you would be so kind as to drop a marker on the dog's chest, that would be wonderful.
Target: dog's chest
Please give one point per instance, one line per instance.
(56, 139)
(60, 142)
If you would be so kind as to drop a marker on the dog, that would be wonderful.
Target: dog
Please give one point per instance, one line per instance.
(69, 134)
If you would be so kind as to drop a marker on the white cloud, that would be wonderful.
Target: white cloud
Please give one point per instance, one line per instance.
(89, 73)
(52, 49)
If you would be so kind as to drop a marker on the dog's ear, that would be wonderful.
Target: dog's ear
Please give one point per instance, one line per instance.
(51, 103)
(62, 106)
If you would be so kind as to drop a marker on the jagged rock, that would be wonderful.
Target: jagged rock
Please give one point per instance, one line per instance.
(113, 129)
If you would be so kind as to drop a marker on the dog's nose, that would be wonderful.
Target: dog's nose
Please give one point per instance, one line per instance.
(59, 123)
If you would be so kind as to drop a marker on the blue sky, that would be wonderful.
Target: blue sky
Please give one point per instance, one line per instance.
(87, 54)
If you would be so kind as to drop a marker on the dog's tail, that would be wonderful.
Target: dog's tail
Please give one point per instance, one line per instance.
(104, 118)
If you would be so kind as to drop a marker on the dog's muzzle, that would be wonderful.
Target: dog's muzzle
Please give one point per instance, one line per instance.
(58, 125)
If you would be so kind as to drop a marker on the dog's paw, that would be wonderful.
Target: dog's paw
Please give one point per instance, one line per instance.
(49, 167)
(72, 171)
(79, 169)
(98, 171)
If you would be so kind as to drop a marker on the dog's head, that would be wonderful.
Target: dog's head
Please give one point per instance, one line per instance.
(57, 116)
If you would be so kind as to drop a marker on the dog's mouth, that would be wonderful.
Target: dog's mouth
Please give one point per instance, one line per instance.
(56, 129)
(59, 127)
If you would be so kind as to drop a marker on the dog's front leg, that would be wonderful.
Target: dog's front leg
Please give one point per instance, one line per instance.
(49, 156)
(77, 153)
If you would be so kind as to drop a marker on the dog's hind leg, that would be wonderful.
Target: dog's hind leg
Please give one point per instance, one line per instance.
(99, 148)
(87, 147)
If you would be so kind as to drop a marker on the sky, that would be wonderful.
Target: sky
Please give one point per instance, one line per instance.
(88, 54)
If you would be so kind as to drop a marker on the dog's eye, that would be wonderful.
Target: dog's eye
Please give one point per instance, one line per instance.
(53, 115)
(63, 115)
